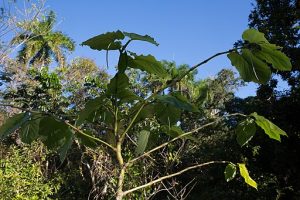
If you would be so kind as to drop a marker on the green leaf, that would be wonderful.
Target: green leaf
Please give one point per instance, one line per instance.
(62, 151)
(90, 107)
(30, 130)
(177, 100)
(230, 172)
(13, 123)
(118, 88)
(245, 174)
(107, 41)
(245, 131)
(53, 133)
(167, 114)
(250, 67)
(148, 64)
(175, 131)
(254, 36)
(142, 141)
(272, 55)
(203, 93)
(273, 131)
(146, 38)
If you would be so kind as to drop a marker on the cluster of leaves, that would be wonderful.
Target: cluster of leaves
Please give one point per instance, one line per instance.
(118, 111)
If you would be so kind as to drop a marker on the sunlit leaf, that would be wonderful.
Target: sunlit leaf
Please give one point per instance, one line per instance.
(245, 174)
(250, 67)
(146, 38)
(272, 55)
(254, 36)
(269, 128)
(230, 172)
(245, 131)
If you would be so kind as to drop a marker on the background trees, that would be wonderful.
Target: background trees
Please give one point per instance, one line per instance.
(148, 103)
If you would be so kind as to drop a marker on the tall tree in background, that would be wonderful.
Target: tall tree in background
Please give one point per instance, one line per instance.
(43, 43)
(279, 21)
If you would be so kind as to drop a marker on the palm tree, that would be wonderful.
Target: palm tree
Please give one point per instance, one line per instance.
(40, 44)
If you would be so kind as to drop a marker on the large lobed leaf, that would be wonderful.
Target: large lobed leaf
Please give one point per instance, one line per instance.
(253, 62)
(147, 63)
(106, 41)
(250, 67)
(273, 131)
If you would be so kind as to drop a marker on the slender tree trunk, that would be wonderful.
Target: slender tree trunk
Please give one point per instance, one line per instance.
(119, 195)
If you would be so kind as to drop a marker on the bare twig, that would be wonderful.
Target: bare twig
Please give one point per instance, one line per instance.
(172, 175)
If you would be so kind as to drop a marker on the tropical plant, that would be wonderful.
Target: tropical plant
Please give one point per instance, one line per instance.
(122, 115)
(40, 43)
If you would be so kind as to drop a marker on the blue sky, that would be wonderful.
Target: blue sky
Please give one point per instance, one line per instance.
(187, 31)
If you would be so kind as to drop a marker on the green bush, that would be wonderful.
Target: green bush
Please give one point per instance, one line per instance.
(21, 175)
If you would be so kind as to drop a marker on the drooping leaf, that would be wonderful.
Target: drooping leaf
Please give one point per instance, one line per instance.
(148, 64)
(13, 123)
(107, 41)
(67, 143)
(269, 128)
(250, 67)
(167, 114)
(177, 100)
(142, 141)
(146, 38)
(245, 174)
(90, 107)
(272, 55)
(30, 130)
(230, 172)
(254, 36)
(245, 131)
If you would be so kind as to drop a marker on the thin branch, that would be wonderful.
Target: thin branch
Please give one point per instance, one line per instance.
(89, 136)
(171, 83)
(183, 135)
(172, 175)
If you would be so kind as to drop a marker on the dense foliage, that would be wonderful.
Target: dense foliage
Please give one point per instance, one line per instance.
(144, 133)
